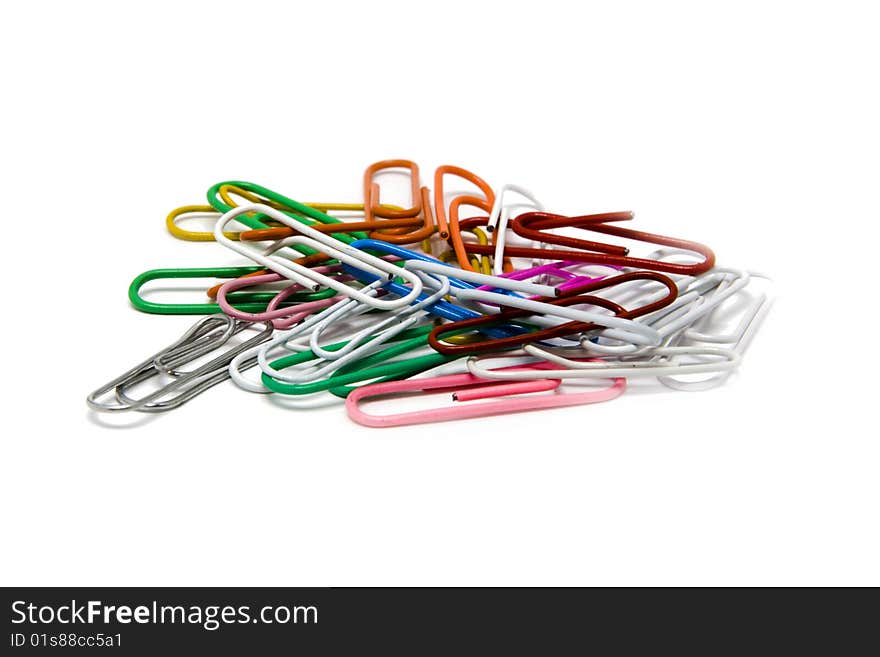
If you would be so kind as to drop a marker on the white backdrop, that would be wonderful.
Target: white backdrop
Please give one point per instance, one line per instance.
(753, 130)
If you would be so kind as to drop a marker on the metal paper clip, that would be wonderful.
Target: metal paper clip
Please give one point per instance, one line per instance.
(205, 336)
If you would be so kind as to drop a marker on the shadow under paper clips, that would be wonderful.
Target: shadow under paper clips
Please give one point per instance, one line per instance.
(305, 402)
(121, 420)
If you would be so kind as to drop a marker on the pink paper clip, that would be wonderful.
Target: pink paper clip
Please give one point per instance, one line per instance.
(467, 387)
(280, 317)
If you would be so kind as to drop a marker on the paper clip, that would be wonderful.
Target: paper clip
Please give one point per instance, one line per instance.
(681, 353)
(715, 359)
(202, 338)
(440, 193)
(386, 222)
(456, 240)
(282, 315)
(315, 240)
(372, 198)
(468, 387)
(380, 366)
(621, 325)
(253, 302)
(532, 225)
(292, 209)
(500, 215)
(366, 340)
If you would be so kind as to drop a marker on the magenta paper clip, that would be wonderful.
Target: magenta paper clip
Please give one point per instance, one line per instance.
(556, 270)
(467, 387)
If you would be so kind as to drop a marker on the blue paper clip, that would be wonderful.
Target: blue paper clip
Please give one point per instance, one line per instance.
(443, 309)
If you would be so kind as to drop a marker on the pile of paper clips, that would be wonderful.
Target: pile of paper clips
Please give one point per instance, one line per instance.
(503, 309)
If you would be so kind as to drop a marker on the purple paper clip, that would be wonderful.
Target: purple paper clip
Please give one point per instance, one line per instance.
(555, 270)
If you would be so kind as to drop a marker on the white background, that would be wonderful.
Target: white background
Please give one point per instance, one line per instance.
(753, 129)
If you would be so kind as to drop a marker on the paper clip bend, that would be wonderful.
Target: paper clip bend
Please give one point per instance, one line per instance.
(440, 194)
(372, 200)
